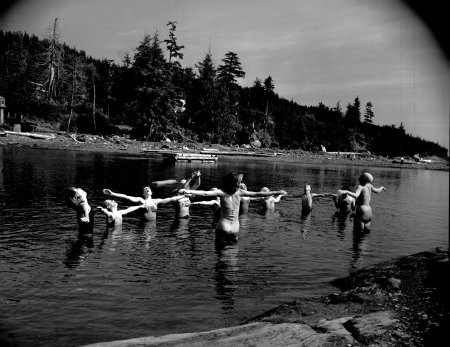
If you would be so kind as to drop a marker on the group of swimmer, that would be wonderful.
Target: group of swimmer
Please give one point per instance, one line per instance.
(228, 202)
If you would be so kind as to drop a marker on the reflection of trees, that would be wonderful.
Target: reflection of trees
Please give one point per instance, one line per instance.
(225, 273)
(359, 249)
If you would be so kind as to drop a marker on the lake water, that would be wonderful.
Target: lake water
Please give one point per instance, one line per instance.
(169, 277)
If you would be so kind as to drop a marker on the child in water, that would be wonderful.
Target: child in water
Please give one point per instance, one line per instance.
(114, 217)
(344, 202)
(76, 198)
(363, 213)
(150, 204)
(307, 198)
(268, 203)
(230, 198)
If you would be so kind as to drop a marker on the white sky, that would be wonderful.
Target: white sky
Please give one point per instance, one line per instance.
(315, 50)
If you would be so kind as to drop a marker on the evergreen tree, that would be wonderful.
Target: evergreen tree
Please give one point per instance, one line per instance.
(154, 100)
(268, 84)
(231, 69)
(172, 46)
(353, 114)
(368, 114)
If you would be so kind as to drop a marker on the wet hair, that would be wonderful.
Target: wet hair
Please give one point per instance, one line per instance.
(231, 182)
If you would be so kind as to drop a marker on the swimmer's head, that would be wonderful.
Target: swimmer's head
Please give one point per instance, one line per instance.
(243, 186)
(265, 189)
(110, 204)
(231, 182)
(146, 191)
(365, 178)
(75, 196)
(307, 188)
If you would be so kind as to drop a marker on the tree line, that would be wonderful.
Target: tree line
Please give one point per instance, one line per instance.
(158, 98)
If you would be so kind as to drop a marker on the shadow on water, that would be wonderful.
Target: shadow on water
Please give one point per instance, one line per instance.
(359, 249)
(342, 220)
(79, 250)
(226, 268)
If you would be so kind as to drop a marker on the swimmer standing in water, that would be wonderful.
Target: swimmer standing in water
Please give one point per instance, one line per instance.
(363, 213)
(268, 203)
(150, 205)
(76, 198)
(344, 202)
(307, 198)
(114, 217)
(230, 198)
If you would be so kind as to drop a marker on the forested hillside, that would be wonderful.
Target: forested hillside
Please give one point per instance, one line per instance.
(156, 96)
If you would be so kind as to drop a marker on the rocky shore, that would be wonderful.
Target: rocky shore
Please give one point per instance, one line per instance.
(403, 302)
(56, 140)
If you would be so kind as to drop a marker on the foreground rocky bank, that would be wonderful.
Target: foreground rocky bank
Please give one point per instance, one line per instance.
(119, 144)
(404, 302)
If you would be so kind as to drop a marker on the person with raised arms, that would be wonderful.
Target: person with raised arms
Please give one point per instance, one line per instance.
(150, 205)
(344, 202)
(114, 217)
(307, 198)
(363, 212)
(268, 202)
(230, 198)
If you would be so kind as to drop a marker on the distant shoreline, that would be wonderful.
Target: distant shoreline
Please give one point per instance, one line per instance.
(154, 150)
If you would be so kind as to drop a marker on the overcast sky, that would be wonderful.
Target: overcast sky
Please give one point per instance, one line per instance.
(315, 50)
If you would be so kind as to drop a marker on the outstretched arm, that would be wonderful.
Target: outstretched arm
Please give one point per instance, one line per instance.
(167, 200)
(123, 196)
(207, 202)
(262, 194)
(105, 211)
(318, 195)
(355, 194)
(209, 193)
(277, 198)
(131, 209)
(377, 190)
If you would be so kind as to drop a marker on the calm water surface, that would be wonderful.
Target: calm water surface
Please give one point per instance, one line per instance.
(168, 277)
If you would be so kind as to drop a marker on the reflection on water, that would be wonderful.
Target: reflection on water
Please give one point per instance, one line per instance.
(359, 250)
(168, 275)
(79, 250)
(226, 269)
